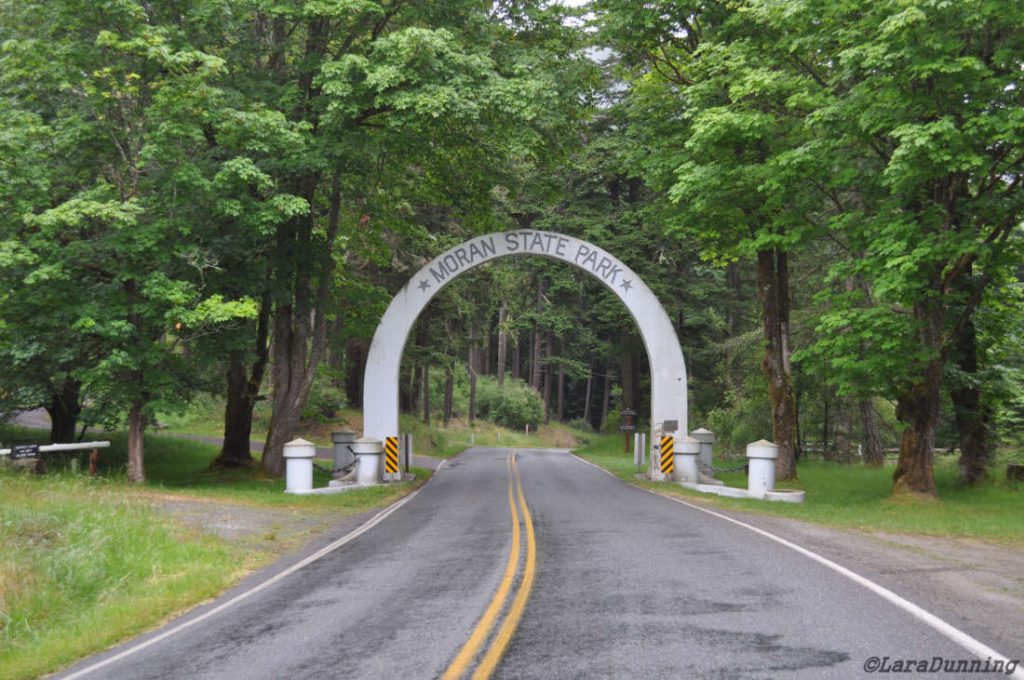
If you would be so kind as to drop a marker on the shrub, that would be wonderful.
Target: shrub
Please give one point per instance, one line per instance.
(580, 424)
(325, 400)
(513, 405)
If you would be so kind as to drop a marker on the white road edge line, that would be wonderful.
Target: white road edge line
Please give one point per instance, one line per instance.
(972, 645)
(347, 538)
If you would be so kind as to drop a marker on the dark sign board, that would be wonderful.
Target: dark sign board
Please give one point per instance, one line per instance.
(24, 451)
(628, 412)
(627, 428)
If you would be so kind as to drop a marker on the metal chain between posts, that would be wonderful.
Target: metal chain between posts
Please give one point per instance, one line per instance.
(326, 470)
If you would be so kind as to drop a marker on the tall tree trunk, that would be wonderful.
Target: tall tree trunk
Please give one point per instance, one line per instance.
(918, 408)
(773, 284)
(735, 284)
(874, 456)
(503, 345)
(547, 378)
(471, 414)
(235, 451)
(304, 264)
(970, 411)
(516, 361)
(589, 394)
(292, 374)
(355, 367)
(426, 394)
(536, 365)
(300, 320)
(538, 341)
(560, 410)
(607, 397)
(405, 387)
(416, 389)
(64, 409)
(484, 356)
(136, 443)
(825, 424)
(449, 389)
(243, 391)
(630, 375)
(336, 354)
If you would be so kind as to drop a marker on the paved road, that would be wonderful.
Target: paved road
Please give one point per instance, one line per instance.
(626, 585)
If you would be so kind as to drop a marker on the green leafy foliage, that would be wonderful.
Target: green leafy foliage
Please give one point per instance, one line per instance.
(513, 405)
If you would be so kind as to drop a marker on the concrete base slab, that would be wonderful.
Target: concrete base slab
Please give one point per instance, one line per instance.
(341, 488)
(338, 486)
(708, 479)
(784, 496)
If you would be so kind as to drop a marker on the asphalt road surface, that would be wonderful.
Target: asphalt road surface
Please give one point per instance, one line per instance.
(541, 566)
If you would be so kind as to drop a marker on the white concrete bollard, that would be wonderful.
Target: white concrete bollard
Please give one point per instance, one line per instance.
(342, 442)
(761, 457)
(369, 452)
(298, 455)
(687, 451)
(707, 442)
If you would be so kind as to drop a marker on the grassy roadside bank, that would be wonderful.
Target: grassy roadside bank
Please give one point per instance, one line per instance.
(87, 563)
(856, 497)
(436, 439)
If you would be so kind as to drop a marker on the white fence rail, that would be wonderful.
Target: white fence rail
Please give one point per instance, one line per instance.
(81, 446)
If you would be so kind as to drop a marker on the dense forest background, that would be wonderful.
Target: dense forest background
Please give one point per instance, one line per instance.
(221, 196)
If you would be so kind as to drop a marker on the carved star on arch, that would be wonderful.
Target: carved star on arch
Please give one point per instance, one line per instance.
(424, 285)
(626, 285)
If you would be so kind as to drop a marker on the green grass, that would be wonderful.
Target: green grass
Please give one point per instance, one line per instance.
(183, 466)
(205, 416)
(444, 442)
(857, 497)
(88, 562)
(85, 565)
(433, 440)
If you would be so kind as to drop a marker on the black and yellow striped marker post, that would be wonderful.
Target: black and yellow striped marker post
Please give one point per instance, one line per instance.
(668, 455)
(391, 457)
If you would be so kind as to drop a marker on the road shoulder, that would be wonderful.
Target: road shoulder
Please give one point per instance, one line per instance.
(974, 585)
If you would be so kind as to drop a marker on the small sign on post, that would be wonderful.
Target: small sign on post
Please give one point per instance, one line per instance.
(391, 459)
(628, 424)
(22, 451)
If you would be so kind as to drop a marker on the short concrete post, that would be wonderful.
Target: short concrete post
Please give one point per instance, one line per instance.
(761, 457)
(369, 452)
(707, 442)
(342, 442)
(298, 455)
(687, 451)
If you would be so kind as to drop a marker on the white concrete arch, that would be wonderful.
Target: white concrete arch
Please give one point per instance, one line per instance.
(383, 363)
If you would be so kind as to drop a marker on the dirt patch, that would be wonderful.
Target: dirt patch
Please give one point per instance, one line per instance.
(275, 530)
(557, 438)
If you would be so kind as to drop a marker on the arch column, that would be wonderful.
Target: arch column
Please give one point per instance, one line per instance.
(384, 360)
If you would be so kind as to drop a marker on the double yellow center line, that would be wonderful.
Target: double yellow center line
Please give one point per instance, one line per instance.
(503, 637)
